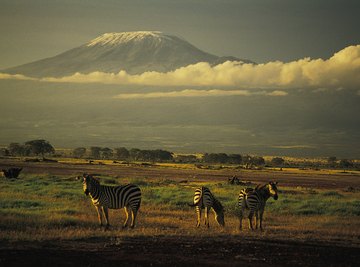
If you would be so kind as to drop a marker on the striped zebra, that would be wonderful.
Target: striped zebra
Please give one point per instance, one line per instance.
(204, 199)
(254, 200)
(112, 197)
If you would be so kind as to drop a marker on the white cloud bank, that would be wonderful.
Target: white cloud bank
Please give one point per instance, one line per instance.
(342, 70)
(199, 93)
(5, 76)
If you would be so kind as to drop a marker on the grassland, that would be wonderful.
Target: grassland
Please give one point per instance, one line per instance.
(47, 204)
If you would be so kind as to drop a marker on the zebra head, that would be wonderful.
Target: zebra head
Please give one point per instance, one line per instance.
(219, 213)
(220, 219)
(88, 183)
(273, 190)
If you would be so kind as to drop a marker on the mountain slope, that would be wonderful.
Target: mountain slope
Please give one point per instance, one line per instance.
(134, 52)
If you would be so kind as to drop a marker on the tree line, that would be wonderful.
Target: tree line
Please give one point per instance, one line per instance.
(41, 147)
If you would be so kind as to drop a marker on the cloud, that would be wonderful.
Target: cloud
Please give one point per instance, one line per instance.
(342, 70)
(198, 93)
(5, 76)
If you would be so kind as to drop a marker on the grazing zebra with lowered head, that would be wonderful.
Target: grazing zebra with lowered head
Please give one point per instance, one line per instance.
(254, 200)
(204, 199)
(113, 197)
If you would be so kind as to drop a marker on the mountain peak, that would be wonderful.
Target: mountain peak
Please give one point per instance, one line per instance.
(116, 38)
(134, 52)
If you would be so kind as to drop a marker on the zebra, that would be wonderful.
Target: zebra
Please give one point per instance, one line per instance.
(204, 199)
(112, 197)
(254, 200)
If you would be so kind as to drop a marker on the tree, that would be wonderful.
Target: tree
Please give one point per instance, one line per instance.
(277, 161)
(95, 152)
(332, 161)
(106, 153)
(162, 155)
(16, 149)
(122, 153)
(79, 152)
(39, 147)
(135, 153)
(235, 159)
(258, 161)
(344, 163)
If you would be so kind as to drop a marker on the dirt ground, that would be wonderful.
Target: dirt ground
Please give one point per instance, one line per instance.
(178, 251)
(217, 250)
(313, 179)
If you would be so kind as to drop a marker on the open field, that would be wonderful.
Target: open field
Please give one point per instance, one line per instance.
(45, 219)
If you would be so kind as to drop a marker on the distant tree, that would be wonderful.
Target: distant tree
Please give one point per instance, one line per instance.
(235, 159)
(215, 158)
(258, 161)
(253, 161)
(122, 153)
(16, 149)
(277, 161)
(95, 152)
(332, 161)
(247, 160)
(162, 155)
(39, 147)
(4, 152)
(345, 164)
(106, 153)
(134, 153)
(79, 152)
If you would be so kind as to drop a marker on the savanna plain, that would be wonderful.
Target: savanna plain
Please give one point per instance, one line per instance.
(46, 219)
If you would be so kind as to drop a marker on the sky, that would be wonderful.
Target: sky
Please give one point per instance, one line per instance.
(261, 31)
(302, 98)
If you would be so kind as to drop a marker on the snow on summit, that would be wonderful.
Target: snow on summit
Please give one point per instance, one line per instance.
(116, 38)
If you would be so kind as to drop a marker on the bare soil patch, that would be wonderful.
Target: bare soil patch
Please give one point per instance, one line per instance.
(315, 179)
(178, 251)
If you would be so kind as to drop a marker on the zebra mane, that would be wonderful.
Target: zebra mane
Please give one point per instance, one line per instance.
(263, 190)
(91, 178)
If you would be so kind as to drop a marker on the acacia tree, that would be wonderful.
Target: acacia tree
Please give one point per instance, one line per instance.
(79, 152)
(39, 147)
(122, 153)
(277, 161)
(95, 152)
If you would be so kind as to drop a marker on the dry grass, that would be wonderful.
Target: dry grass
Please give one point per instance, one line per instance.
(45, 207)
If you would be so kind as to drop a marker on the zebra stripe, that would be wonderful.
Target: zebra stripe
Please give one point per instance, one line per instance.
(112, 197)
(254, 200)
(204, 199)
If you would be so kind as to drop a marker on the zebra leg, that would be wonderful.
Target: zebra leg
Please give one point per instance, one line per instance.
(256, 220)
(126, 217)
(99, 212)
(261, 219)
(106, 215)
(251, 214)
(207, 217)
(133, 217)
(198, 212)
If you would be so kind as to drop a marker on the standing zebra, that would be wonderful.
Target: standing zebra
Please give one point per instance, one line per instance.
(203, 198)
(113, 197)
(255, 200)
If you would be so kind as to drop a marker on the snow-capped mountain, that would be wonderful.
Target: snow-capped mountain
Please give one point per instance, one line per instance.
(134, 52)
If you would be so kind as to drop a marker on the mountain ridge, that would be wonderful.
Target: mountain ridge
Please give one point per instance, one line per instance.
(134, 52)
